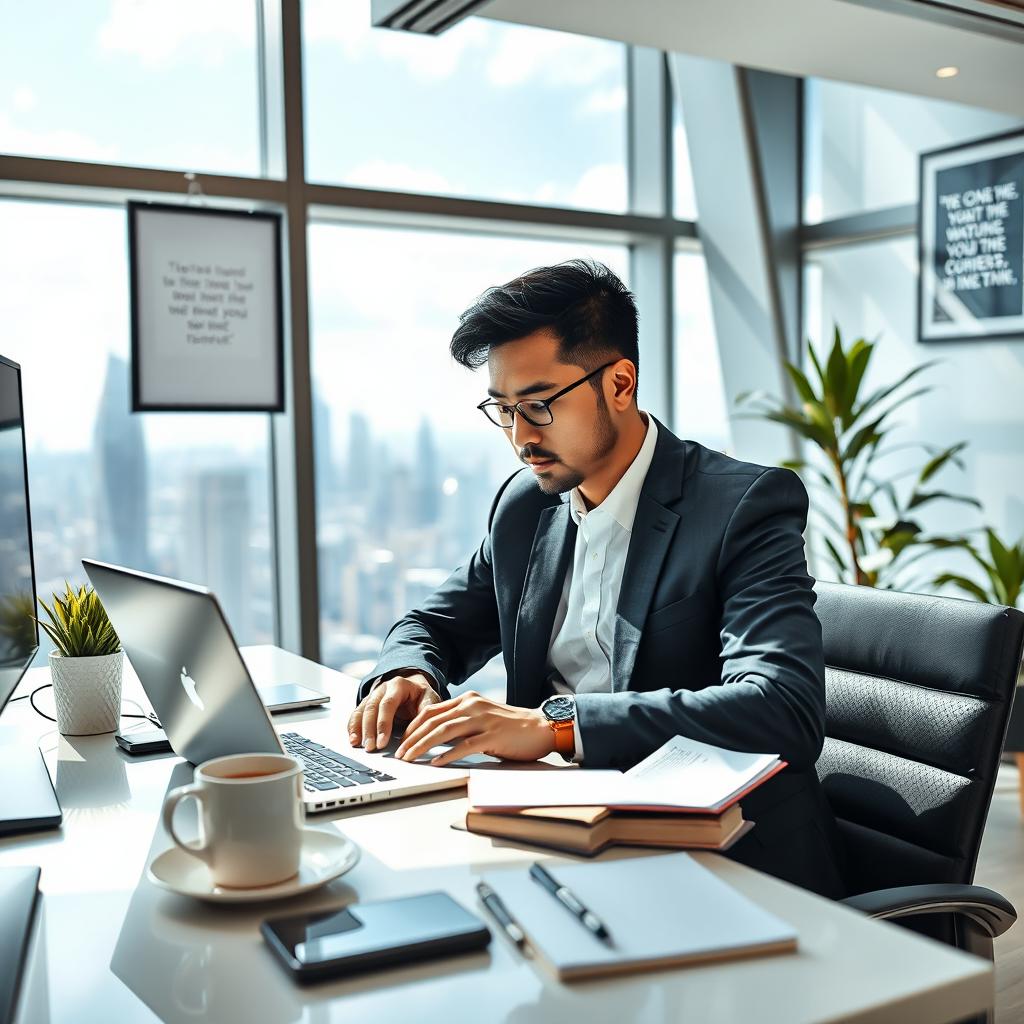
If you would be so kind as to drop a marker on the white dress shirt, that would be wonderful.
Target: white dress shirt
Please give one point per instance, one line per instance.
(580, 651)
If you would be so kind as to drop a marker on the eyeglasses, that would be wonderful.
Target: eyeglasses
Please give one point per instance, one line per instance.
(536, 411)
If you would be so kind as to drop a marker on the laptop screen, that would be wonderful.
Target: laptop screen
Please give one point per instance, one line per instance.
(19, 634)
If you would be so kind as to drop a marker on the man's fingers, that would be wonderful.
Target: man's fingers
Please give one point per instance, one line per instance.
(446, 732)
(470, 745)
(386, 711)
(414, 733)
(369, 722)
(431, 710)
(355, 724)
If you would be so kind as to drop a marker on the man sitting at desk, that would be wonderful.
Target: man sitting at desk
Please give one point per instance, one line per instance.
(638, 586)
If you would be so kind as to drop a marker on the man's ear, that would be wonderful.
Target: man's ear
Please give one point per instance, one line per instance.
(623, 380)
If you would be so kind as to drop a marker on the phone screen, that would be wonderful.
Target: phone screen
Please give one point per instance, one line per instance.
(366, 929)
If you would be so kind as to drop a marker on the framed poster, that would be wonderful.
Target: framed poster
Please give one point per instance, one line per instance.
(206, 309)
(971, 237)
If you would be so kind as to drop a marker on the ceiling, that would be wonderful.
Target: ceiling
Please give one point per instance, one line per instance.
(871, 42)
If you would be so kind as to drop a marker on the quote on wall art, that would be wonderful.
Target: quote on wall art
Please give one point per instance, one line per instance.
(206, 309)
(972, 240)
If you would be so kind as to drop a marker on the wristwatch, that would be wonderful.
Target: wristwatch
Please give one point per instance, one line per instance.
(560, 711)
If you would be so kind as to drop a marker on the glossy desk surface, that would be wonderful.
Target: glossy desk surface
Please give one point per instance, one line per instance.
(109, 946)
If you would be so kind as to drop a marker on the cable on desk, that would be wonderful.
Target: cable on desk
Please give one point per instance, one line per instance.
(31, 697)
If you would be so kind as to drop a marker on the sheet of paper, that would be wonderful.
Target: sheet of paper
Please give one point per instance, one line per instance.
(563, 788)
(685, 770)
(682, 773)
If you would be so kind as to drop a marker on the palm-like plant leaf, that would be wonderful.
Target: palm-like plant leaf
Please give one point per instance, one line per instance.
(78, 624)
(853, 432)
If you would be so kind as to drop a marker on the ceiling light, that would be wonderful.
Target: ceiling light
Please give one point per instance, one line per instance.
(947, 72)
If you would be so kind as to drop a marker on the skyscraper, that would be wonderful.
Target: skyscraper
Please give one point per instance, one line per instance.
(122, 485)
(359, 475)
(427, 478)
(216, 539)
(323, 451)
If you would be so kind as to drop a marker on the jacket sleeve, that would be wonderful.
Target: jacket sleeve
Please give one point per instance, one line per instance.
(771, 698)
(454, 632)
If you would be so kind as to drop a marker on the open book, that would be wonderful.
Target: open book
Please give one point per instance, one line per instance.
(684, 775)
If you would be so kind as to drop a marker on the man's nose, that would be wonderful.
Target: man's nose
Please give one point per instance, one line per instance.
(524, 433)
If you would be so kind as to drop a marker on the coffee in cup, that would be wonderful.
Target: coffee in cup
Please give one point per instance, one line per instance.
(252, 818)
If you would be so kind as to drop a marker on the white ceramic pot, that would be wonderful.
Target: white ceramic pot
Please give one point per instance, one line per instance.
(87, 692)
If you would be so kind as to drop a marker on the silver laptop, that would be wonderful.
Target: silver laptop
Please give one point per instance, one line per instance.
(179, 643)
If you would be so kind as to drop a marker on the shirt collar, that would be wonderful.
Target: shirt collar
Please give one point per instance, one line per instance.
(622, 501)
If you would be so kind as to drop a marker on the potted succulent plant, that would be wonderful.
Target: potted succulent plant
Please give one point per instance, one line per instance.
(86, 666)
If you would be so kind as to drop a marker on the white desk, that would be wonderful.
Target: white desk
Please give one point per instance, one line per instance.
(112, 947)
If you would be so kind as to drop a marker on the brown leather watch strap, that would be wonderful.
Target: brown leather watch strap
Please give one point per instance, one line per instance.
(565, 737)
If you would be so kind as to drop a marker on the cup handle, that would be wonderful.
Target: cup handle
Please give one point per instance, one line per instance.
(170, 806)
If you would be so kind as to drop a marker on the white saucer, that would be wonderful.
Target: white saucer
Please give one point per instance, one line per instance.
(325, 856)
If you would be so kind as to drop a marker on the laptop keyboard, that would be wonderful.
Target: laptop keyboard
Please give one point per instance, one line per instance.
(327, 769)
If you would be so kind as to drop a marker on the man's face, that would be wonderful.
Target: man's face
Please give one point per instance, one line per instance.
(563, 453)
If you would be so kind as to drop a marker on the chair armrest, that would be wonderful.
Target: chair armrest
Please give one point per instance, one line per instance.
(989, 910)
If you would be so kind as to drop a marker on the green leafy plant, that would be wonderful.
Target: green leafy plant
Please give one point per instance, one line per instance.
(1003, 571)
(78, 626)
(16, 628)
(869, 520)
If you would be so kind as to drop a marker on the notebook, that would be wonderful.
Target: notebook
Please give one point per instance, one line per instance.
(682, 775)
(661, 911)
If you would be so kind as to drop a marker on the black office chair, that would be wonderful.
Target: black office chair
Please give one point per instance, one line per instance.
(918, 693)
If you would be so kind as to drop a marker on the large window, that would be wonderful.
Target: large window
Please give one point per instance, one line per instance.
(406, 466)
(684, 198)
(487, 110)
(701, 408)
(131, 82)
(181, 495)
(861, 144)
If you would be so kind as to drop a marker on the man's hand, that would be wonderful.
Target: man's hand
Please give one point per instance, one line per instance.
(399, 698)
(477, 725)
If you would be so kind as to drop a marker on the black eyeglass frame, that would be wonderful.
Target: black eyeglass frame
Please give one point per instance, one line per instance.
(488, 403)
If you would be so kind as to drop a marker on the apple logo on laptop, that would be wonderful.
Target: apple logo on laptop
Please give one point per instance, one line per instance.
(189, 686)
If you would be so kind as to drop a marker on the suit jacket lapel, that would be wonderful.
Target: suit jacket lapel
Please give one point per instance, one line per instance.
(653, 529)
(553, 545)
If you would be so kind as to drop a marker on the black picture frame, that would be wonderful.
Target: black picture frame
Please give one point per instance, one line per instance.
(929, 164)
(138, 401)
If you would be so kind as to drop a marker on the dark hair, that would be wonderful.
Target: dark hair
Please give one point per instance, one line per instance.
(592, 313)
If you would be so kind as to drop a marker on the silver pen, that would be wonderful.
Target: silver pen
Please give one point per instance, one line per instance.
(571, 902)
(499, 911)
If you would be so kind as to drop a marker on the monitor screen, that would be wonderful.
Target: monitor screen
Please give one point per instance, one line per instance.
(19, 635)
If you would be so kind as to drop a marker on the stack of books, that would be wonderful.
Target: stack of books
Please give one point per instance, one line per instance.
(686, 795)
(589, 830)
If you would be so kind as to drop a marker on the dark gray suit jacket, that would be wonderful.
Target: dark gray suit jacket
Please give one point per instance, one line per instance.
(715, 634)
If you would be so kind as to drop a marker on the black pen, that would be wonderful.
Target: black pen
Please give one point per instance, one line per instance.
(493, 903)
(588, 918)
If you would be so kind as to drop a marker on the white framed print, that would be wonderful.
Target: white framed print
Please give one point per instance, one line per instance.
(971, 240)
(206, 318)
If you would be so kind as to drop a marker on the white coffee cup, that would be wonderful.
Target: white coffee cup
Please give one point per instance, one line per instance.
(252, 818)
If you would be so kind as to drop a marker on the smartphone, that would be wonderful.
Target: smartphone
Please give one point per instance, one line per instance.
(144, 741)
(366, 936)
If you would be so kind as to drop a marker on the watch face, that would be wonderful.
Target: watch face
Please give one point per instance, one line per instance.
(560, 709)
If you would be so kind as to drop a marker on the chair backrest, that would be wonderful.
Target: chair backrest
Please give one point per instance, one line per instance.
(918, 694)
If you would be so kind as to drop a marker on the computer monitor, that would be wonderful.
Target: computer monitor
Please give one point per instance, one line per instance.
(19, 633)
(27, 798)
